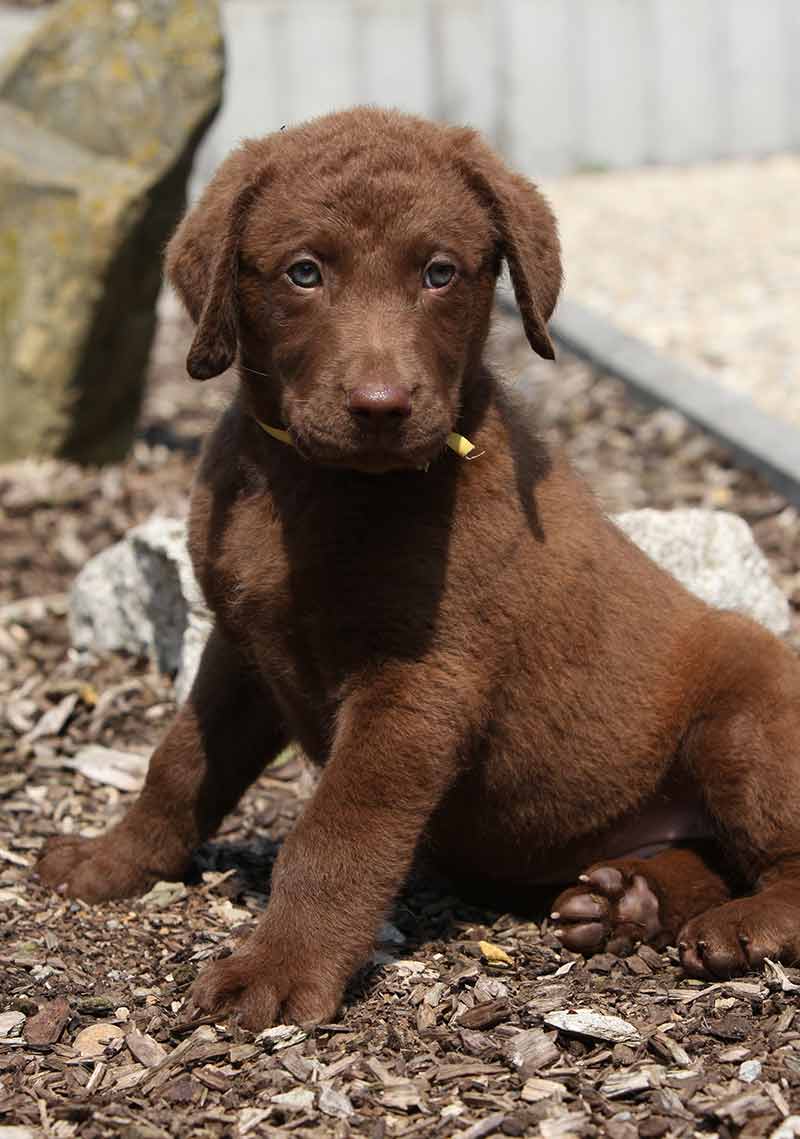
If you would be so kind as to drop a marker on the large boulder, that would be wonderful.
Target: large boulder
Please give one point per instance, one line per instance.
(140, 595)
(100, 115)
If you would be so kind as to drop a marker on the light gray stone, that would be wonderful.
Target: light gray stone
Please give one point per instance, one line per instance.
(714, 554)
(140, 595)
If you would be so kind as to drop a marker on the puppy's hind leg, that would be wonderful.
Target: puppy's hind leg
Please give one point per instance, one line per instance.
(621, 902)
(219, 743)
(745, 755)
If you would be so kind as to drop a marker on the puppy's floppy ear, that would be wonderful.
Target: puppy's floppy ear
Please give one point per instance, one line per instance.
(527, 232)
(202, 260)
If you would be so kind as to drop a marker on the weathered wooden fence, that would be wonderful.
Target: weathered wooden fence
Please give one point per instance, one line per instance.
(558, 84)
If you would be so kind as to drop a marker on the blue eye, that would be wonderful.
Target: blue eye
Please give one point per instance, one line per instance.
(438, 274)
(305, 273)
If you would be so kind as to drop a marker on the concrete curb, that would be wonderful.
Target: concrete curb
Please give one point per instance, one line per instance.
(756, 440)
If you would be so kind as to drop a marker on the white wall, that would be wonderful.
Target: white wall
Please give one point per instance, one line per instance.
(557, 84)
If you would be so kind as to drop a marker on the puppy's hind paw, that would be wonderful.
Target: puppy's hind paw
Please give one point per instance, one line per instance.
(614, 909)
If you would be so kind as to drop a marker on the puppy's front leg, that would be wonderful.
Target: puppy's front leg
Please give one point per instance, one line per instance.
(343, 863)
(220, 741)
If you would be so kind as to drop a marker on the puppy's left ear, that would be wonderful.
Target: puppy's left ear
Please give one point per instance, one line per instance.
(202, 260)
(526, 230)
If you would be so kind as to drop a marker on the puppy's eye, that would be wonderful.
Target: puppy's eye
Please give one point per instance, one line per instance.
(438, 274)
(305, 273)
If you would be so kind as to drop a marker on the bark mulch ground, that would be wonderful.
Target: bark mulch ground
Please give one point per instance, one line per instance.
(459, 1026)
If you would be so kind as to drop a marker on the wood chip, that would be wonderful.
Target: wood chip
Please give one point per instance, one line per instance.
(742, 1107)
(574, 1123)
(534, 1090)
(777, 975)
(663, 1045)
(334, 1103)
(144, 1048)
(95, 1038)
(124, 770)
(53, 720)
(298, 1099)
(531, 1050)
(11, 1024)
(281, 1036)
(447, 1072)
(620, 1085)
(596, 1025)
(486, 1015)
(401, 1096)
(484, 1126)
(49, 1022)
(163, 895)
(788, 1129)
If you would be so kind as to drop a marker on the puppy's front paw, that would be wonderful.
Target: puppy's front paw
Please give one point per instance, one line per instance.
(262, 987)
(100, 869)
(738, 936)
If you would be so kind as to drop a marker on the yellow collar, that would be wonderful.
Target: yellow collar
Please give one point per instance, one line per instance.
(458, 443)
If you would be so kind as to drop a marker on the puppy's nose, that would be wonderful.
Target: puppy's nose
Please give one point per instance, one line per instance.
(378, 404)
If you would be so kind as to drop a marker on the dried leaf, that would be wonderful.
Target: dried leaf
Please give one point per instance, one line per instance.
(494, 954)
(163, 895)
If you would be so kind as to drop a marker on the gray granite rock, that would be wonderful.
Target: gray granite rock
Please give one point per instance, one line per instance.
(140, 595)
(714, 555)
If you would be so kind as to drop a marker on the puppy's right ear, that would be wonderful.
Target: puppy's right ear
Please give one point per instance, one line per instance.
(202, 260)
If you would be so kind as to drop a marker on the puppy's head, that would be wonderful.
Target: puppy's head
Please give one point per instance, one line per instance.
(350, 264)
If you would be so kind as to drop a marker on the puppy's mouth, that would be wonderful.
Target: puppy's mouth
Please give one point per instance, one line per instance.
(372, 455)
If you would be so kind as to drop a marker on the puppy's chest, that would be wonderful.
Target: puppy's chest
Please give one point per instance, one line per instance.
(314, 611)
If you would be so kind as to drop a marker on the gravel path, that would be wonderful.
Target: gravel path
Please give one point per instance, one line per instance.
(702, 262)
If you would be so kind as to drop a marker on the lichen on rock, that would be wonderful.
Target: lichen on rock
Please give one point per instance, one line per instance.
(100, 115)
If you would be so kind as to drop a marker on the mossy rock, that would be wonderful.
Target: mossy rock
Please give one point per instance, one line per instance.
(100, 115)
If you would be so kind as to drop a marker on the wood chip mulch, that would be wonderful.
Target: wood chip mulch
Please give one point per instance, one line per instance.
(467, 1022)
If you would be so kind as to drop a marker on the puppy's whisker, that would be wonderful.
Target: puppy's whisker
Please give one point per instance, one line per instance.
(255, 372)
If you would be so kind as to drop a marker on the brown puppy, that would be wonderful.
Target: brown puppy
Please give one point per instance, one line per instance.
(475, 655)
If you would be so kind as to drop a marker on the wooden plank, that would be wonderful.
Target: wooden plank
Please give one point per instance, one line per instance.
(791, 51)
(610, 81)
(684, 48)
(320, 60)
(758, 83)
(464, 37)
(393, 57)
(539, 95)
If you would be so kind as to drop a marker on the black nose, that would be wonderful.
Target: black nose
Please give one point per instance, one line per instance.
(379, 404)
